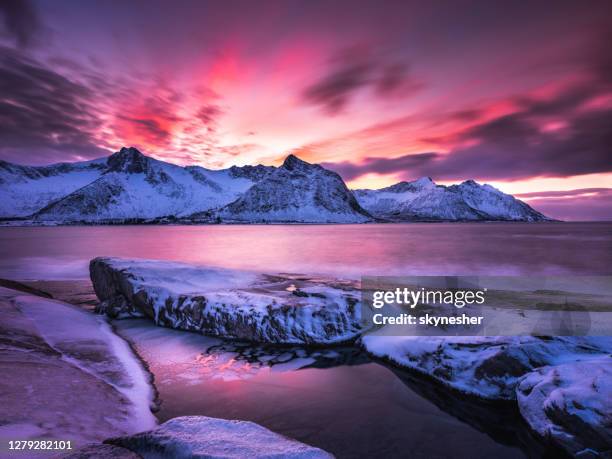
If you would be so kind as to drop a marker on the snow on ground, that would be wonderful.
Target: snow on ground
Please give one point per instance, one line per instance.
(66, 375)
(229, 303)
(571, 404)
(200, 436)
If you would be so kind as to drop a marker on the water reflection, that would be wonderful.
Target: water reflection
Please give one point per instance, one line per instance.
(334, 398)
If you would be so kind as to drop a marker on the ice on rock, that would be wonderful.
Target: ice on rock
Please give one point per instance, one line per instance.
(571, 404)
(229, 303)
(563, 385)
(81, 382)
(486, 367)
(191, 437)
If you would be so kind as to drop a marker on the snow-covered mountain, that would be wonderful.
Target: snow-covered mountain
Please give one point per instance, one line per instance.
(297, 192)
(128, 185)
(25, 189)
(423, 200)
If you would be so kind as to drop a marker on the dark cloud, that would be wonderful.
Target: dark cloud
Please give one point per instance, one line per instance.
(353, 70)
(209, 114)
(147, 129)
(566, 193)
(508, 148)
(350, 171)
(20, 20)
(585, 205)
(512, 147)
(42, 111)
(518, 145)
(396, 79)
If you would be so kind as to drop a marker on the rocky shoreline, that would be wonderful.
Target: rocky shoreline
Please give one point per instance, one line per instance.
(559, 384)
(71, 352)
(514, 369)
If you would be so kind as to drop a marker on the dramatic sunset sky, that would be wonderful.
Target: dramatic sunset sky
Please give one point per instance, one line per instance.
(517, 94)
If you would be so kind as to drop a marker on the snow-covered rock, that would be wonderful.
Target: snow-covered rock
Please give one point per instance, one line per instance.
(192, 437)
(571, 404)
(423, 200)
(562, 384)
(100, 451)
(486, 367)
(297, 192)
(229, 303)
(66, 375)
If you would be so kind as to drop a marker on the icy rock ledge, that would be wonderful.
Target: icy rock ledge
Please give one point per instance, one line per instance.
(204, 437)
(563, 385)
(226, 303)
(571, 404)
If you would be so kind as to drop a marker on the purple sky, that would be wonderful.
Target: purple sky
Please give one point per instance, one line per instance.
(516, 94)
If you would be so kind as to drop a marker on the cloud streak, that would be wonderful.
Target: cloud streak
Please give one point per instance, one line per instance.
(20, 20)
(354, 70)
(43, 111)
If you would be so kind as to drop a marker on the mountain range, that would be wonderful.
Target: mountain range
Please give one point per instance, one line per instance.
(128, 186)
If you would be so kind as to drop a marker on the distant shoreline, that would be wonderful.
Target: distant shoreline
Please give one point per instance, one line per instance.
(18, 223)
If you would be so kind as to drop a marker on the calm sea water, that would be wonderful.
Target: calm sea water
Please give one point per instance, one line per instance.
(347, 251)
(340, 400)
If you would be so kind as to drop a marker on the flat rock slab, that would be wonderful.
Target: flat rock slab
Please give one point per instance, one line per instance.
(193, 437)
(66, 375)
(242, 305)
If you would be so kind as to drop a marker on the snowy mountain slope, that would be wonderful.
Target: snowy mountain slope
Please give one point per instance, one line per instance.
(297, 192)
(136, 186)
(128, 185)
(25, 189)
(423, 200)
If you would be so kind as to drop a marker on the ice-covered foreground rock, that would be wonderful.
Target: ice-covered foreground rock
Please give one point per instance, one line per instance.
(229, 303)
(192, 437)
(563, 385)
(66, 375)
(487, 367)
(571, 404)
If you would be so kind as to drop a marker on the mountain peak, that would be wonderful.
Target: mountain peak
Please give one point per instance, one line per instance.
(130, 151)
(414, 186)
(128, 159)
(470, 182)
(424, 182)
(292, 162)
